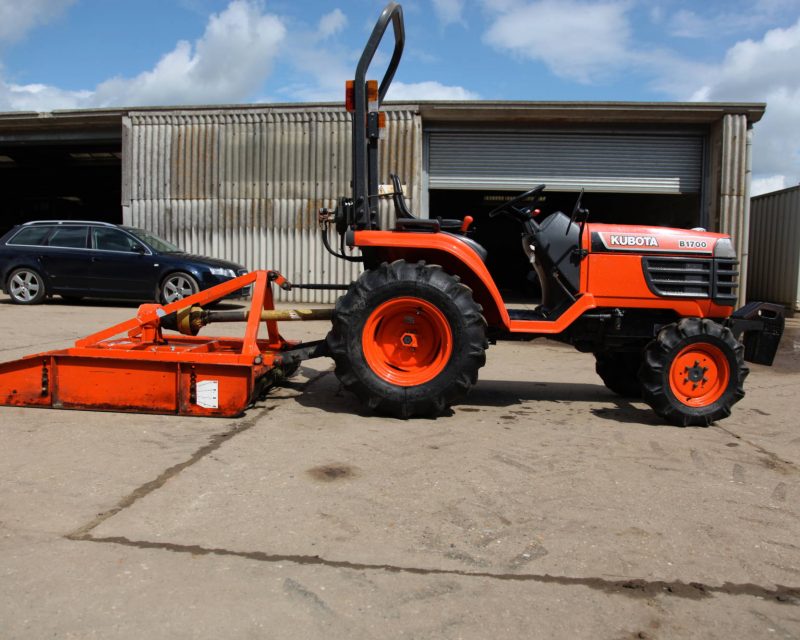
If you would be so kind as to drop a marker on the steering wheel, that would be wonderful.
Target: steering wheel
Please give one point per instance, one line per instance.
(574, 215)
(510, 204)
(576, 209)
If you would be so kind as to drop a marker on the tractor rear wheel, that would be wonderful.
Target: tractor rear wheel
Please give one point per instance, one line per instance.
(408, 339)
(693, 372)
(619, 371)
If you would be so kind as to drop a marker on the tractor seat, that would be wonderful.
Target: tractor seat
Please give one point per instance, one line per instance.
(407, 221)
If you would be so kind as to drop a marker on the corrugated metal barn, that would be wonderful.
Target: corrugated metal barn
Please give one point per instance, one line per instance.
(245, 182)
(774, 273)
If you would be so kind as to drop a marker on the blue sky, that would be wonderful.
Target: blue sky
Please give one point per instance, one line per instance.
(57, 54)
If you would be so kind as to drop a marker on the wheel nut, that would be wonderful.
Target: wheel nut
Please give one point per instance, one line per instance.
(409, 340)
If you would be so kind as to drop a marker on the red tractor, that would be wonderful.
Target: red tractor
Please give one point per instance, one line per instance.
(654, 305)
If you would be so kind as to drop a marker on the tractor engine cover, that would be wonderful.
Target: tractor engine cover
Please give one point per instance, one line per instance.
(670, 263)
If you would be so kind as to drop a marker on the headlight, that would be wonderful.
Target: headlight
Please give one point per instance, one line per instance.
(219, 271)
(724, 249)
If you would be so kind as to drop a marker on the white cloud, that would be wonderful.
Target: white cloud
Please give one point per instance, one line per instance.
(40, 97)
(575, 39)
(230, 61)
(430, 90)
(501, 5)
(332, 23)
(17, 17)
(706, 21)
(227, 64)
(449, 11)
(768, 185)
(687, 24)
(321, 71)
(761, 66)
(763, 70)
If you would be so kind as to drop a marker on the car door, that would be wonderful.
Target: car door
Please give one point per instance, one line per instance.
(65, 259)
(120, 265)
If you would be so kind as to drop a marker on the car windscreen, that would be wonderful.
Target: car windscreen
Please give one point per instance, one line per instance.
(159, 244)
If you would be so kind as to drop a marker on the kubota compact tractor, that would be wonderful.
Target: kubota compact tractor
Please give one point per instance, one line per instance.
(654, 305)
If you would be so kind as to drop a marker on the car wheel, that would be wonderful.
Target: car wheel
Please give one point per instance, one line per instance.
(26, 286)
(177, 286)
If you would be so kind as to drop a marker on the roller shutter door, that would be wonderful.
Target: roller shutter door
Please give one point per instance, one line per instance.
(566, 161)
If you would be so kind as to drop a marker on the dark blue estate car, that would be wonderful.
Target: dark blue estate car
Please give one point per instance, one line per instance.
(76, 259)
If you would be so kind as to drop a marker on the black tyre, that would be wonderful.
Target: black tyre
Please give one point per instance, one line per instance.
(619, 371)
(177, 286)
(26, 286)
(693, 372)
(287, 372)
(408, 339)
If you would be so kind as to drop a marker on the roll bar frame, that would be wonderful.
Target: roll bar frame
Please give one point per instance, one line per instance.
(364, 214)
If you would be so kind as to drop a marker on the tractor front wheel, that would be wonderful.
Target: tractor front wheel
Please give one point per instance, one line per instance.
(619, 371)
(693, 372)
(408, 339)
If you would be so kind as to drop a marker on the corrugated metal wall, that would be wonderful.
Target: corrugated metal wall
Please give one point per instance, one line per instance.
(774, 274)
(245, 185)
(734, 190)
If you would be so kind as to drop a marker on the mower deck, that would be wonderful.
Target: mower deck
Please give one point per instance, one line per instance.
(134, 367)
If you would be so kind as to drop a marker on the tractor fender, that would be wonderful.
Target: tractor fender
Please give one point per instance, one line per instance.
(447, 250)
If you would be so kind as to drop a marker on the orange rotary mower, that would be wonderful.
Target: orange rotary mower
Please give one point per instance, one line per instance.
(135, 366)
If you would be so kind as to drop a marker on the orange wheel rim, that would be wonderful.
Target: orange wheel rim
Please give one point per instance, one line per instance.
(699, 375)
(407, 341)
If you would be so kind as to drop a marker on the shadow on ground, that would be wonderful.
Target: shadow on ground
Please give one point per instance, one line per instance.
(328, 395)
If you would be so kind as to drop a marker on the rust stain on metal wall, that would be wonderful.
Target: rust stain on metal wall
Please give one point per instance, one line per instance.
(246, 184)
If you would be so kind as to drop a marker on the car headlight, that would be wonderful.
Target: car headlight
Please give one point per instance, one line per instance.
(219, 271)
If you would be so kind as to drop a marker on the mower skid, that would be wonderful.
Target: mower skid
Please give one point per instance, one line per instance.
(135, 367)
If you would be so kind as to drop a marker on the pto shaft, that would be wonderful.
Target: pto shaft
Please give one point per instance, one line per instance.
(190, 320)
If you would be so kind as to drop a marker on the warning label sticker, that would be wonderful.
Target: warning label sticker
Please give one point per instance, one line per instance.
(208, 394)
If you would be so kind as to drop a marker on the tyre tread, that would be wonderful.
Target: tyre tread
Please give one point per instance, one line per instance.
(344, 339)
(656, 364)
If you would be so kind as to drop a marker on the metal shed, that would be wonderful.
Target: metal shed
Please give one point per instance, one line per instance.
(774, 273)
(245, 182)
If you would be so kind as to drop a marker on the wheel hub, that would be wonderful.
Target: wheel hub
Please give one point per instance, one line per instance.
(699, 374)
(407, 341)
(24, 286)
(695, 374)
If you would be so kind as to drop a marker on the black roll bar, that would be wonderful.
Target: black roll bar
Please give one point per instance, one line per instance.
(365, 123)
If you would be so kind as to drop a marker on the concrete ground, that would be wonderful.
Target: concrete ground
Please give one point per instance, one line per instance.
(544, 507)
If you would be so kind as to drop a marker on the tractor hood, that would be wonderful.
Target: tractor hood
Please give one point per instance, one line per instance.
(627, 238)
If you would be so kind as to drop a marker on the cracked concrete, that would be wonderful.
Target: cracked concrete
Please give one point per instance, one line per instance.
(544, 507)
(632, 588)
